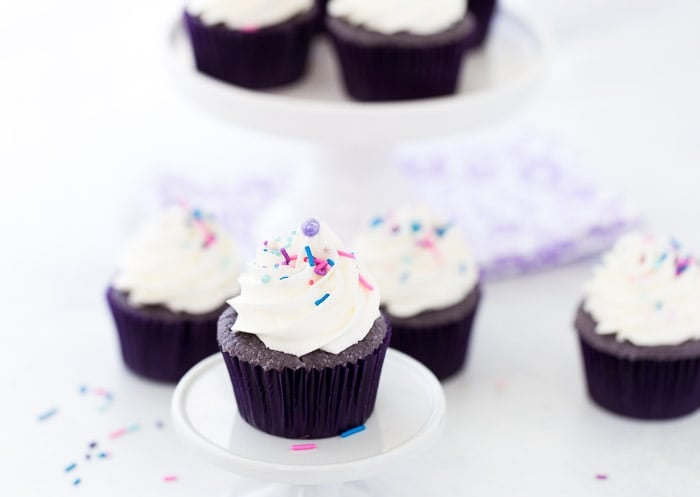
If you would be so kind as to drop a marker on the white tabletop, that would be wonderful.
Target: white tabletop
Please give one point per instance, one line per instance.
(88, 114)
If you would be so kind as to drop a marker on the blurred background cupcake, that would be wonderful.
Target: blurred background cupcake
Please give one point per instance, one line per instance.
(428, 282)
(252, 43)
(639, 329)
(398, 50)
(169, 290)
(304, 342)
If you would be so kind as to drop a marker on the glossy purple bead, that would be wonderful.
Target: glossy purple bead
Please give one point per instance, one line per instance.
(311, 227)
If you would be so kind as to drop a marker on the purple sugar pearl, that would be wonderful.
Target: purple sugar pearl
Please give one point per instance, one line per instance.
(311, 227)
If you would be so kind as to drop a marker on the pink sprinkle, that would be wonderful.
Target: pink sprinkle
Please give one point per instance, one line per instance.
(118, 433)
(303, 447)
(209, 240)
(601, 477)
(365, 284)
(170, 478)
(99, 391)
(342, 253)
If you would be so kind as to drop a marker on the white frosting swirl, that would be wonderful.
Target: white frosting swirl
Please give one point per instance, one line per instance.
(420, 261)
(247, 14)
(421, 17)
(646, 291)
(298, 308)
(180, 260)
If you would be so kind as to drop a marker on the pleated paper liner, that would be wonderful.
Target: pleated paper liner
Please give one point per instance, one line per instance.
(258, 58)
(641, 382)
(306, 402)
(159, 344)
(438, 339)
(378, 67)
(483, 11)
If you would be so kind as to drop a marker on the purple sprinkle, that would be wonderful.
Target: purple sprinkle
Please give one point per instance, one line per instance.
(311, 227)
(87, 457)
(92, 445)
(159, 424)
(284, 253)
(601, 477)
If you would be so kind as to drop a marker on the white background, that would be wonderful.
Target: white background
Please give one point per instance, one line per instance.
(88, 114)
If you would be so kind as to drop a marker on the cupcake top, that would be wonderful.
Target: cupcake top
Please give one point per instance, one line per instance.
(421, 17)
(646, 291)
(247, 15)
(181, 260)
(305, 292)
(420, 260)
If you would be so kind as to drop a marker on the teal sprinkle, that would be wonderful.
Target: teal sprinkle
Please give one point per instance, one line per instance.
(407, 259)
(283, 277)
(197, 214)
(71, 467)
(309, 256)
(322, 299)
(377, 221)
(330, 262)
(76, 482)
(276, 266)
(265, 278)
(415, 226)
(659, 306)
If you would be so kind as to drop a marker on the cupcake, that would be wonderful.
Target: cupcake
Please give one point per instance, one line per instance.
(304, 342)
(483, 12)
(252, 43)
(398, 50)
(639, 329)
(428, 282)
(169, 290)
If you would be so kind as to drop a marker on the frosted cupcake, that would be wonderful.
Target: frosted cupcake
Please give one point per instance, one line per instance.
(428, 281)
(252, 43)
(304, 342)
(398, 50)
(639, 329)
(170, 287)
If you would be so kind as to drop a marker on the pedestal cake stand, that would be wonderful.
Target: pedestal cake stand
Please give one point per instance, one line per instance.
(408, 415)
(353, 173)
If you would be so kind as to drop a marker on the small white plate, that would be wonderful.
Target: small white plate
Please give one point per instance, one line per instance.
(408, 414)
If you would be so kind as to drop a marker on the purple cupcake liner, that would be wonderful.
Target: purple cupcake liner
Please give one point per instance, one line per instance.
(442, 347)
(307, 403)
(640, 382)
(265, 58)
(377, 67)
(483, 12)
(159, 344)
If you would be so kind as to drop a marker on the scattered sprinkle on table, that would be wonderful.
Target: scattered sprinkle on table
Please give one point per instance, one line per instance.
(303, 447)
(47, 414)
(71, 467)
(76, 482)
(601, 477)
(170, 478)
(352, 431)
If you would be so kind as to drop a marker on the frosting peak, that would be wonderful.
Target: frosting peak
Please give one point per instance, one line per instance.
(181, 260)
(305, 292)
(422, 17)
(247, 14)
(646, 291)
(419, 259)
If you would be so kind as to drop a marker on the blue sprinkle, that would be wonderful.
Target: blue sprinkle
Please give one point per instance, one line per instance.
(309, 256)
(441, 230)
(415, 226)
(276, 266)
(462, 268)
(197, 214)
(322, 299)
(265, 278)
(675, 243)
(404, 277)
(330, 262)
(46, 415)
(83, 389)
(352, 431)
(377, 221)
(659, 306)
(102, 455)
(283, 277)
(76, 482)
(71, 467)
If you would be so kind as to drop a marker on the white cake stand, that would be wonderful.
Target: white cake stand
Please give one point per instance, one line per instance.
(409, 413)
(353, 174)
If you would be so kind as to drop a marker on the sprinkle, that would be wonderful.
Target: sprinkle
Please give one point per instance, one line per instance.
(197, 214)
(71, 467)
(441, 230)
(321, 267)
(675, 243)
(103, 455)
(284, 253)
(169, 478)
(365, 283)
(160, 424)
(415, 226)
(661, 259)
(265, 243)
(283, 277)
(276, 266)
(395, 228)
(403, 278)
(46, 415)
(303, 447)
(76, 482)
(265, 278)
(462, 268)
(311, 227)
(376, 221)
(659, 306)
(352, 431)
(322, 299)
(311, 282)
(134, 427)
(209, 239)
(87, 457)
(342, 253)
(601, 477)
(312, 261)
(118, 433)
(82, 389)
(92, 445)
(330, 262)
